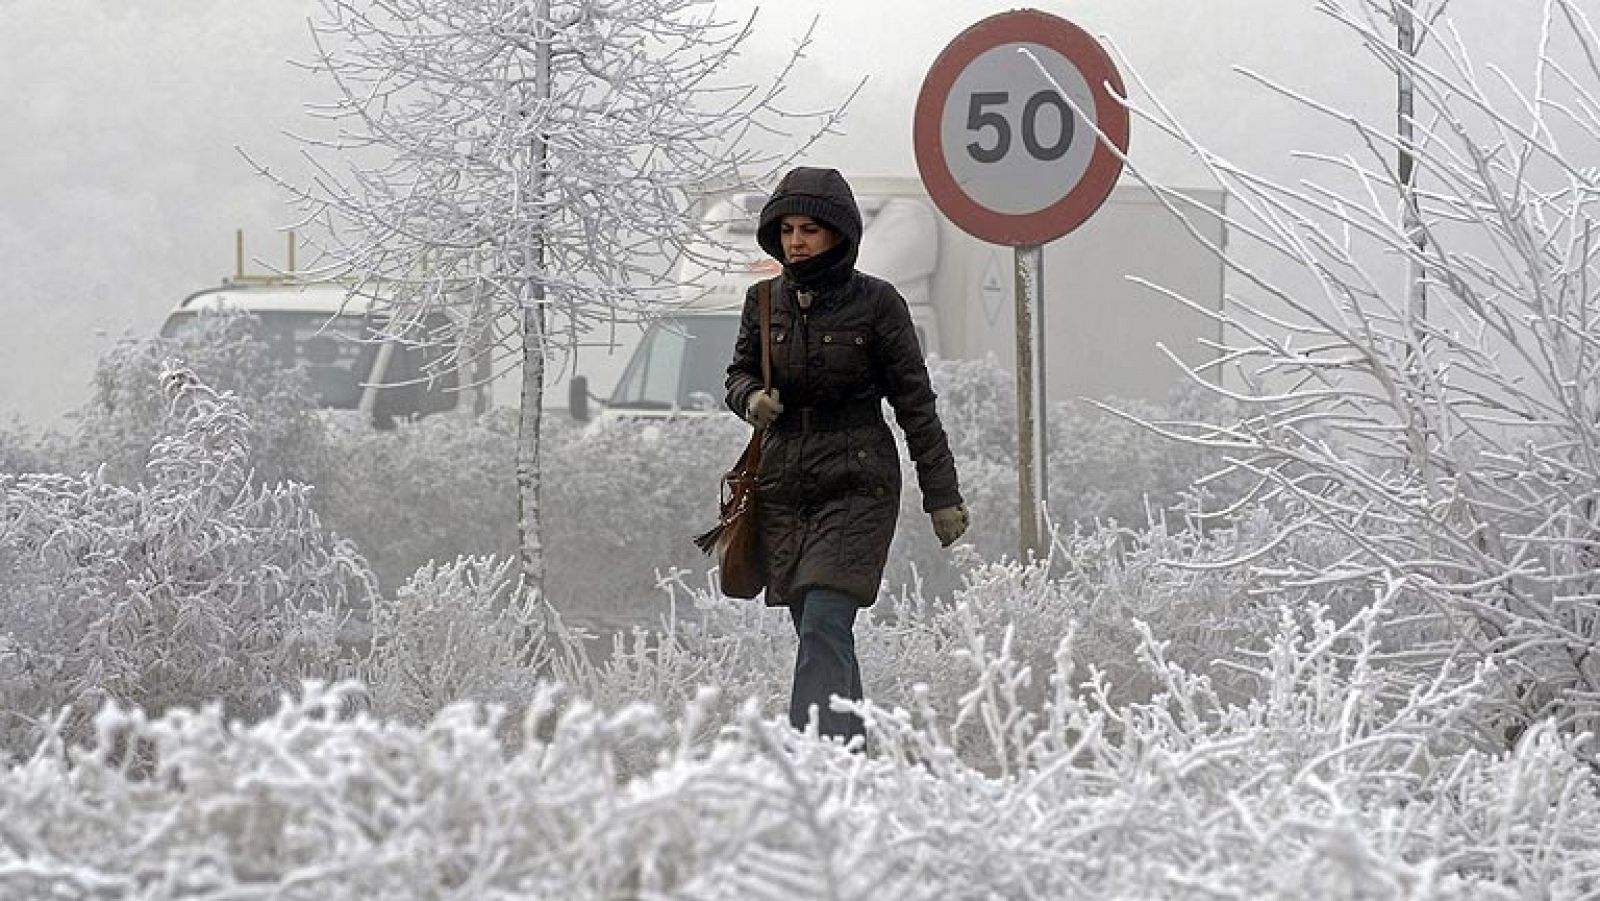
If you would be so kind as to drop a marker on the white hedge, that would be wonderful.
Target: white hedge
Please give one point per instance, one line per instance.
(1317, 788)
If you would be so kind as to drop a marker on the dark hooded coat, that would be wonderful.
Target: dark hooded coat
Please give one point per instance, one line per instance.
(842, 341)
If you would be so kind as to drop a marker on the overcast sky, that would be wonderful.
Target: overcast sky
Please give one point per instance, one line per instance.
(120, 185)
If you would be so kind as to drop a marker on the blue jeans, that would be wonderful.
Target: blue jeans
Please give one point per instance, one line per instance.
(825, 664)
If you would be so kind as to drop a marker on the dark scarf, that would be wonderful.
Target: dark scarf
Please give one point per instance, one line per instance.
(826, 270)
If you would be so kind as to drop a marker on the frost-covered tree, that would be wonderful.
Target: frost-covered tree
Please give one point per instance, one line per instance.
(1408, 41)
(1458, 453)
(532, 167)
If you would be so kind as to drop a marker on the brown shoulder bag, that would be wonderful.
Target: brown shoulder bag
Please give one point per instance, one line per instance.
(742, 570)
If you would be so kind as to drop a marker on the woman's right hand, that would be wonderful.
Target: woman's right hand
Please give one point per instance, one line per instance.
(762, 408)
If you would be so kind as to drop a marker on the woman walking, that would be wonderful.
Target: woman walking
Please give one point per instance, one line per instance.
(829, 482)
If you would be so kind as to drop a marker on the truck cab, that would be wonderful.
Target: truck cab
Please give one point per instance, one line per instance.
(336, 336)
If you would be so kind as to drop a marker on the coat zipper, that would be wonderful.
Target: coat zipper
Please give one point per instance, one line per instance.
(803, 299)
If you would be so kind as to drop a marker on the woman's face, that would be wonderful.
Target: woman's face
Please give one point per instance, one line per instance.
(804, 237)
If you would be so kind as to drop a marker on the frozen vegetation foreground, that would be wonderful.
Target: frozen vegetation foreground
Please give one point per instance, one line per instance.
(1082, 729)
(1365, 669)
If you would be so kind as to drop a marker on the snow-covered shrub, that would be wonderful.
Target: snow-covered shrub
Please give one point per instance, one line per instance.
(1199, 591)
(702, 639)
(316, 803)
(193, 584)
(126, 413)
(1326, 785)
(625, 498)
(1103, 466)
(435, 489)
(466, 630)
(621, 500)
(1115, 587)
(1107, 465)
(23, 449)
(1321, 788)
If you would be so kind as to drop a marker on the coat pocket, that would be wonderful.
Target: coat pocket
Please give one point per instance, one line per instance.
(787, 356)
(846, 357)
(875, 463)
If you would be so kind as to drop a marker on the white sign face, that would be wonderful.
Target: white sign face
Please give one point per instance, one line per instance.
(1012, 142)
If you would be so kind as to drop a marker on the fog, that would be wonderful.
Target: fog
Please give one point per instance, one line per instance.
(121, 181)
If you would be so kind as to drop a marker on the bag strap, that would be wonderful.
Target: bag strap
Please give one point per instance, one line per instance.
(750, 461)
(764, 296)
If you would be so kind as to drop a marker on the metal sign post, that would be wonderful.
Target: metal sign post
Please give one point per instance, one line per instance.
(1033, 445)
(1004, 149)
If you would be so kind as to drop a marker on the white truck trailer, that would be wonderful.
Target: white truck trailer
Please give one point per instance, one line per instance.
(1102, 328)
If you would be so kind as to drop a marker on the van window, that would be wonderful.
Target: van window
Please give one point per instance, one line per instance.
(338, 353)
(422, 378)
(681, 364)
(335, 358)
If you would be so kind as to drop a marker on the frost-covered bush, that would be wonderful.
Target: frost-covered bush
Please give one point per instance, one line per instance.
(1104, 462)
(741, 646)
(23, 449)
(193, 584)
(621, 499)
(431, 490)
(1417, 350)
(1199, 591)
(1323, 785)
(1105, 466)
(466, 630)
(624, 499)
(1319, 789)
(126, 414)
(1115, 588)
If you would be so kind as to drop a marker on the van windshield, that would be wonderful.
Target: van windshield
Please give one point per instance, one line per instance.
(680, 365)
(331, 351)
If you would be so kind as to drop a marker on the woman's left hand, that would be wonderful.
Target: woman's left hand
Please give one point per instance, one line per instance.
(949, 523)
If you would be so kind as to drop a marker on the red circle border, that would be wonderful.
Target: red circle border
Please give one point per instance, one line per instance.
(1084, 52)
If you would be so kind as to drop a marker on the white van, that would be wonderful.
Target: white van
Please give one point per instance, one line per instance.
(334, 335)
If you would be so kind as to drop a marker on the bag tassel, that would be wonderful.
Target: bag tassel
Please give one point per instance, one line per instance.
(707, 543)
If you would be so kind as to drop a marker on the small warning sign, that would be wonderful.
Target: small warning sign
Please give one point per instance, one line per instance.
(994, 291)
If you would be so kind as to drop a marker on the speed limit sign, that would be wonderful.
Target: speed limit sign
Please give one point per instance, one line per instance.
(1006, 127)
(1008, 135)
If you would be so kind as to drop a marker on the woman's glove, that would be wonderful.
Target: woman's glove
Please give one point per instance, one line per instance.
(949, 523)
(762, 408)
